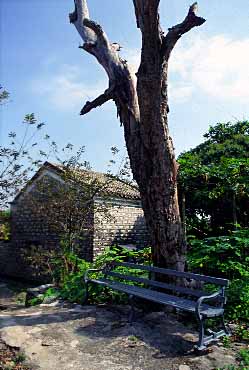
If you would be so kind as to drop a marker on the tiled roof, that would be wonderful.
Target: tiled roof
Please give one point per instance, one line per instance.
(109, 184)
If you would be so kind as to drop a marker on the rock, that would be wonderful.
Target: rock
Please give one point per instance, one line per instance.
(74, 343)
(37, 293)
(39, 290)
(50, 299)
(184, 367)
(56, 303)
(218, 358)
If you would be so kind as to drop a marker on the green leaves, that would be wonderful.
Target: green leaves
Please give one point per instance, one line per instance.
(30, 119)
(4, 95)
(214, 177)
(225, 256)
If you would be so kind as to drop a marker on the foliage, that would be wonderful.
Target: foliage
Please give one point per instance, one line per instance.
(4, 225)
(244, 356)
(227, 257)
(242, 333)
(120, 254)
(36, 300)
(17, 157)
(68, 271)
(100, 294)
(214, 177)
(4, 95)
(66, 204)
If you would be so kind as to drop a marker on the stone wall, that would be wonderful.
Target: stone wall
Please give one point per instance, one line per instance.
(8, 263)
(13, 265)
(124, 224)
(32, 216)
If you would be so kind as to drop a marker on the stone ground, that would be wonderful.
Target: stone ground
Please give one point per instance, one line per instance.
(61, 336)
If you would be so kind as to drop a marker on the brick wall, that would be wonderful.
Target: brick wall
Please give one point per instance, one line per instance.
(13, 265)
(123, 225)
(7, 258)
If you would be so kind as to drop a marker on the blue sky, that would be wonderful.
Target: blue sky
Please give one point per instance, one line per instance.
(47, 74)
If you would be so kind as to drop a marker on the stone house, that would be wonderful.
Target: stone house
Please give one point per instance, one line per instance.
(125, 224)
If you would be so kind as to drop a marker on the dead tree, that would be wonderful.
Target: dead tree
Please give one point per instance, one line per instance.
(142, 106)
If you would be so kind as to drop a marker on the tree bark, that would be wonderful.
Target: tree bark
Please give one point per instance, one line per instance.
(142, 106)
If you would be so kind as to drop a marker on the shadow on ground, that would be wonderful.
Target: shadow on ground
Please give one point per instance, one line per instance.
(64, 336)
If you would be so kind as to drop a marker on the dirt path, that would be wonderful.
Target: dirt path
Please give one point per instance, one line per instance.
(64, 337)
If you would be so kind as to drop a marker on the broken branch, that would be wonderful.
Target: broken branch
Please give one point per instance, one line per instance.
(100, 100)
(95, 27)
(175, 33)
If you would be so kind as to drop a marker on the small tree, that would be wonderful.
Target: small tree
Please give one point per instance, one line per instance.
(142, 106)
(65, 204)
(16, 162)
(65, 207)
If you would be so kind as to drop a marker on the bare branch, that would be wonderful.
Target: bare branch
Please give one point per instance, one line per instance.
(77, 18)
(96, 43)
(100, 100)
(98, 30)
(175, 33)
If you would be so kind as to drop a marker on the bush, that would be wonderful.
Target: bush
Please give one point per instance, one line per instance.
(67, 271)
(4, 225)
(100, 294)
(227, 257)
(72, 287)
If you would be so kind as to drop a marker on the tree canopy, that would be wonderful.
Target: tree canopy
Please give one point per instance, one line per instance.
(214, 179)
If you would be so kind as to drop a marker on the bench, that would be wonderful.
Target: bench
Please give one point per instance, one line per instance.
(180, 297)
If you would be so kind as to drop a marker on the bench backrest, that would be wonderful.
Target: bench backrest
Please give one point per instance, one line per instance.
(157, 270)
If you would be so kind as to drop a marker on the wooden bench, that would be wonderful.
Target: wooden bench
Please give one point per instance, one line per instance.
(180, 297)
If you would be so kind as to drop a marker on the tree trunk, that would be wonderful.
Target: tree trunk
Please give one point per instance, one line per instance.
(142, 106)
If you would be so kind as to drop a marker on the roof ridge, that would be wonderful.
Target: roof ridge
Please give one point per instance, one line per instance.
(57, 165)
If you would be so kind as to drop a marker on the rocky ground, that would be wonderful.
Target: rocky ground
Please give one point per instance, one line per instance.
(61, 336)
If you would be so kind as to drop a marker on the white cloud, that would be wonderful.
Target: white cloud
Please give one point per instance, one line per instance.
(217, 66)
(179, 92)
(133, 57)
(66, 91)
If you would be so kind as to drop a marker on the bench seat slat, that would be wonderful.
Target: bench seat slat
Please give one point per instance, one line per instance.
(152, 295)
(158, 284)
(188, 275)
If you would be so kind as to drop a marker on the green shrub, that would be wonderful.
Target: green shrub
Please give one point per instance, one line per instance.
(68, 273)
(4, 225)
(100, 294)
(244, 356)
(69, 276)
(121, 254)
(227, 257)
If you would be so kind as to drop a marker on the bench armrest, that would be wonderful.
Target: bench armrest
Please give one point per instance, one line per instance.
(206, 298)
(89, 271)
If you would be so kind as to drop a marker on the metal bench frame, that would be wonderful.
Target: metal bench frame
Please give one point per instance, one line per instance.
(201, 310)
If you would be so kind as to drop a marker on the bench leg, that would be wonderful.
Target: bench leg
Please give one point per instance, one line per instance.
(85, 299)
(214, 336)
(132, 312)
(201, 346)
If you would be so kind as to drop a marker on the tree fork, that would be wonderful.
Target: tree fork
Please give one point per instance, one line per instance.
(142, 107)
